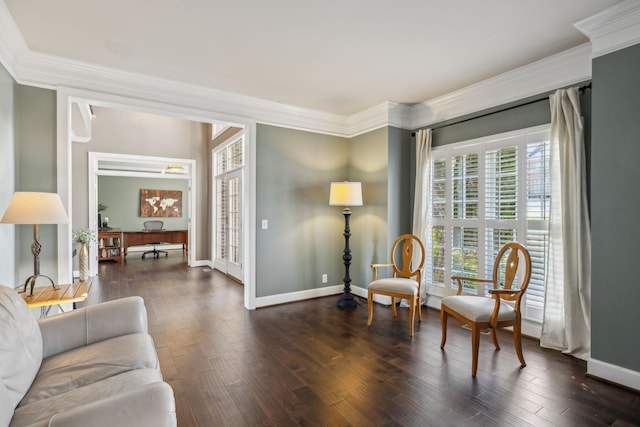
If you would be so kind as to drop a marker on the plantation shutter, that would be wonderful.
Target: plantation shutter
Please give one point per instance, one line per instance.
(485, 194)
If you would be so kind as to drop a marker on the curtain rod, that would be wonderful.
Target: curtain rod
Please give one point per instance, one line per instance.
(582, 89)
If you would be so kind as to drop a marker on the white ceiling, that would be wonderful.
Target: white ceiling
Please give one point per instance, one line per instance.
(336, 56)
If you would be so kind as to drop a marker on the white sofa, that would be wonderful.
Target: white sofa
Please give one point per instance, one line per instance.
(95, 366)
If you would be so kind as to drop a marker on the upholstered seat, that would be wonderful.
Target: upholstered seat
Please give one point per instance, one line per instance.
(397, 284)
(479, 310)
(93, 366)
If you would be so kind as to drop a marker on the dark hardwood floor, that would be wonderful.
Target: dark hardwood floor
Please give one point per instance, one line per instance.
(312, 364)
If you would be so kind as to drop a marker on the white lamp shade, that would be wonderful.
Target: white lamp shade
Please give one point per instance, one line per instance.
(35, 208)
(345, 194)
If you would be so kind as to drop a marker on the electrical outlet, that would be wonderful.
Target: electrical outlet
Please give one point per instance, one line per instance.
(265, 224)
(325, 279)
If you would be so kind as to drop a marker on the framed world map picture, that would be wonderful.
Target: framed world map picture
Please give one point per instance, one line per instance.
(160, 203)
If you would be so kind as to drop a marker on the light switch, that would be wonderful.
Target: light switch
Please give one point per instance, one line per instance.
(265, 224)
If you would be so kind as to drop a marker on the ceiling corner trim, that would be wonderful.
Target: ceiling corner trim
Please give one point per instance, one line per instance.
(384, 114)
(12, 44)
(556, 71)
(614, 28)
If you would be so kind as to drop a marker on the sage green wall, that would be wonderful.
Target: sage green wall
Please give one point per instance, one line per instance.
(121, 195)
(368, 163)
(304, 239)
(482, 123)
(382, 160)
(7, 177)
(401, 175)
(615, 204)
(35, 160)
(305, 236)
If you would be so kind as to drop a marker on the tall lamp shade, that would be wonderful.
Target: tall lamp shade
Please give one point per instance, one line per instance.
(346, 194)
(35, 208)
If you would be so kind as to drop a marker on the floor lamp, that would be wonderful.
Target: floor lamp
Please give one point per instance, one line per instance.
(346, 194)
(35, 208)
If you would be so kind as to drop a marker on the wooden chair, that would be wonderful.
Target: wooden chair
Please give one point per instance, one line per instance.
(481, 312)
(405, 282)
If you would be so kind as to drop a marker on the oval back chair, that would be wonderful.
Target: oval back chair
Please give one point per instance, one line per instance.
(480, 312)
(407, 259)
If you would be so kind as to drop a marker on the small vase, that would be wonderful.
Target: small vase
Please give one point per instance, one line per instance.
(83, 260)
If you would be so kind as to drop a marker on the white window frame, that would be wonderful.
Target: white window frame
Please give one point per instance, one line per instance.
(520, 138)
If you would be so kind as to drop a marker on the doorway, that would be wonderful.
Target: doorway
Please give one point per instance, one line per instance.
(164, 107)
(134, 166)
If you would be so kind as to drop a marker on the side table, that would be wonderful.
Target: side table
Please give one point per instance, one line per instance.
(45, 297)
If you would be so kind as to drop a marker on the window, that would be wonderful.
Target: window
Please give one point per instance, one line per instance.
(485, 193)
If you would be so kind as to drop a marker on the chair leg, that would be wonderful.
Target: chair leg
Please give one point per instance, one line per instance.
(419, 307)
(494, 336)
(443, 322)
(370, 307)
(393, 306)
(517, 339)
(475, 346)
(412, 315)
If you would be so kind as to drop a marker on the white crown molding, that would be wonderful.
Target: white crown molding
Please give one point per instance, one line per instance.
(385, 114)
(556, 71)
(42, 70)
(614, 28)
(50, 71)
(12, 44)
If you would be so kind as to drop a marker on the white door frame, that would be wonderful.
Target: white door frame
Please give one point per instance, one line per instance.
(66, 96)
(95, 171)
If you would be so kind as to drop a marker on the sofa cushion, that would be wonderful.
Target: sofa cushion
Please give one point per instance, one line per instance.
(86, 365)
(116, 385)
(20, 350)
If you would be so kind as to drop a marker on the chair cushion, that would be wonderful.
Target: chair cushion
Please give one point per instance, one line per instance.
(397, 285)
(478, 309)
(89, 364)
(20, 351)
(44, 409)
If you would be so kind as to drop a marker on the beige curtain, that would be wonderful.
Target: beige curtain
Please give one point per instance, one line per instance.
(422, 190)
(567, 309)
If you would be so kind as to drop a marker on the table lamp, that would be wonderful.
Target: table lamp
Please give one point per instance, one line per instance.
(35, 208)
(346, 194)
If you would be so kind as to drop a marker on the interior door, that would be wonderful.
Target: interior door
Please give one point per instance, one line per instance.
(234, 226)
(228, 210)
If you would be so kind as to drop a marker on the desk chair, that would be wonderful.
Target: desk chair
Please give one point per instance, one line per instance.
(154, 225)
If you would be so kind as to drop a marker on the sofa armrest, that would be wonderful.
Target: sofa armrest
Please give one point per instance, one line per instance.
(150, 406)
(91, 324)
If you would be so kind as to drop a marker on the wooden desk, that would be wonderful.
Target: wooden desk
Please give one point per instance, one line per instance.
(137, 238)
(45, 296)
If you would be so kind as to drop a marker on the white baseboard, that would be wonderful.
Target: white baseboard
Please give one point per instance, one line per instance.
(317, 293)
(613, 373)
(298, 296)
(202, 263)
